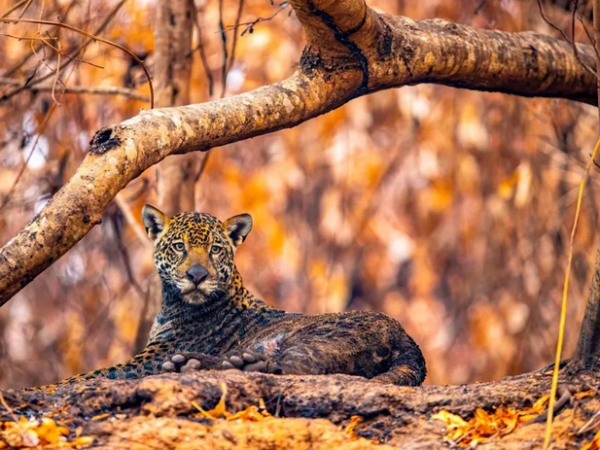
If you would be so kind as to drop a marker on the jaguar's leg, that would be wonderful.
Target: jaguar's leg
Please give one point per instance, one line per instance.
(403, 372)
(370, 345)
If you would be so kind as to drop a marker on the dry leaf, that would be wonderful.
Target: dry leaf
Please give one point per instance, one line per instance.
(484, 425)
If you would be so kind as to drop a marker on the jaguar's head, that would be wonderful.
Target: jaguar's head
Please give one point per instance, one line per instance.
(193, 252)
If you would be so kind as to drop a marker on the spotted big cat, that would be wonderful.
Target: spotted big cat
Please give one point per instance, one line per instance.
(210, 321)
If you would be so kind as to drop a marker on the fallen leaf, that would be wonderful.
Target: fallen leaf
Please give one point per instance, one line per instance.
(486, 425)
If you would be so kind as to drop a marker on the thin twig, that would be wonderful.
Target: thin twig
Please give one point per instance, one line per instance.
(14, 8)
(125, 256)
(91, 90)
(250, 25)
(80, 49)
(565, 397)
(94, 38)
(202, 167)
(479, 6)
(42, 60)
(25, 8)
(57, 74)
(564, 35)
(590, 423)
(225, 69)
(238, 17)
(130, 219)
(574, 44)
(224, 46)
(28, 56)
(8, 408)
(57, 50)
(200, 47)
(38, 134)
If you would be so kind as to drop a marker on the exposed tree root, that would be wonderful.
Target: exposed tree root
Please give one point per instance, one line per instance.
(310, 411)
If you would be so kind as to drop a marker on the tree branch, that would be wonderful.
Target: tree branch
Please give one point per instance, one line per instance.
(351, 51)
(91, 90)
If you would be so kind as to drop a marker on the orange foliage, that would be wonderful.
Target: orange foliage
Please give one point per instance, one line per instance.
(38, 433)
(484, 426)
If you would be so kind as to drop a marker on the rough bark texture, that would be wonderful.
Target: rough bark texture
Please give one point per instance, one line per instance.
(172, 70)
(161, 411)
(351, 51)
(588, 344)
(176, 182)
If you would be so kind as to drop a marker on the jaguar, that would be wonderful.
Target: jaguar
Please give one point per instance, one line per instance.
(210, 321)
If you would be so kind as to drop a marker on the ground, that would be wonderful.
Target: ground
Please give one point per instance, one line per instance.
(298, 412)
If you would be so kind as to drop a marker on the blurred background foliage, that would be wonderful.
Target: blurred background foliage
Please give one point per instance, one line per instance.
(448, 210)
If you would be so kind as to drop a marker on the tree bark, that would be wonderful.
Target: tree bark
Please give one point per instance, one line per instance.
(351, 51)
(588, 344)
(162, 411)
(176, 182)
(172, 70)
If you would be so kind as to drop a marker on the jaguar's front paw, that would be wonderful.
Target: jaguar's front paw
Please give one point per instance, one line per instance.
(183, 362)
(250, 361)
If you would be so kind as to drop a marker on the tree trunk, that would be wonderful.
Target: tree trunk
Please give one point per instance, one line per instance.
(172, 70)
(176, 175)
(588, 344)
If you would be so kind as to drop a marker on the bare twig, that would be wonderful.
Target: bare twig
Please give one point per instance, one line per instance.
(25, 8)
(24, 61)
(91, 90)
(57, 74)
(565, 397)
(250, 25)
(8, 408)
(202, 166)
(94, 38)
(235, 34)
(574, 44)
(224, 46)
(479, 6)
(14, 8)
(125, 255)
(590, 424)
(80, 49)
(129, 217)
(200, 47)
(38, 133)
(564, 35)
(42, 60)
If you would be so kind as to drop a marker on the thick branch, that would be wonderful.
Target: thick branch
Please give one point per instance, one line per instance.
(527, 64)
(351, 51)
(120, 153)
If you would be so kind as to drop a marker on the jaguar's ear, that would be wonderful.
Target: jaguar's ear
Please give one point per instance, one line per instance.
(237, 228)
(155, 221)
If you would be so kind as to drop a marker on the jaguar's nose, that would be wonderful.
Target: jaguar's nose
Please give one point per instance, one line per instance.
(196, 274)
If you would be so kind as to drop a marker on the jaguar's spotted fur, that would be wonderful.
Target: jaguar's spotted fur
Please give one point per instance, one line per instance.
(209, 320)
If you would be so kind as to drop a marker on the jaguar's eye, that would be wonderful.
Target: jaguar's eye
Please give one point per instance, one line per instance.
(215, 249)
(179, 246)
